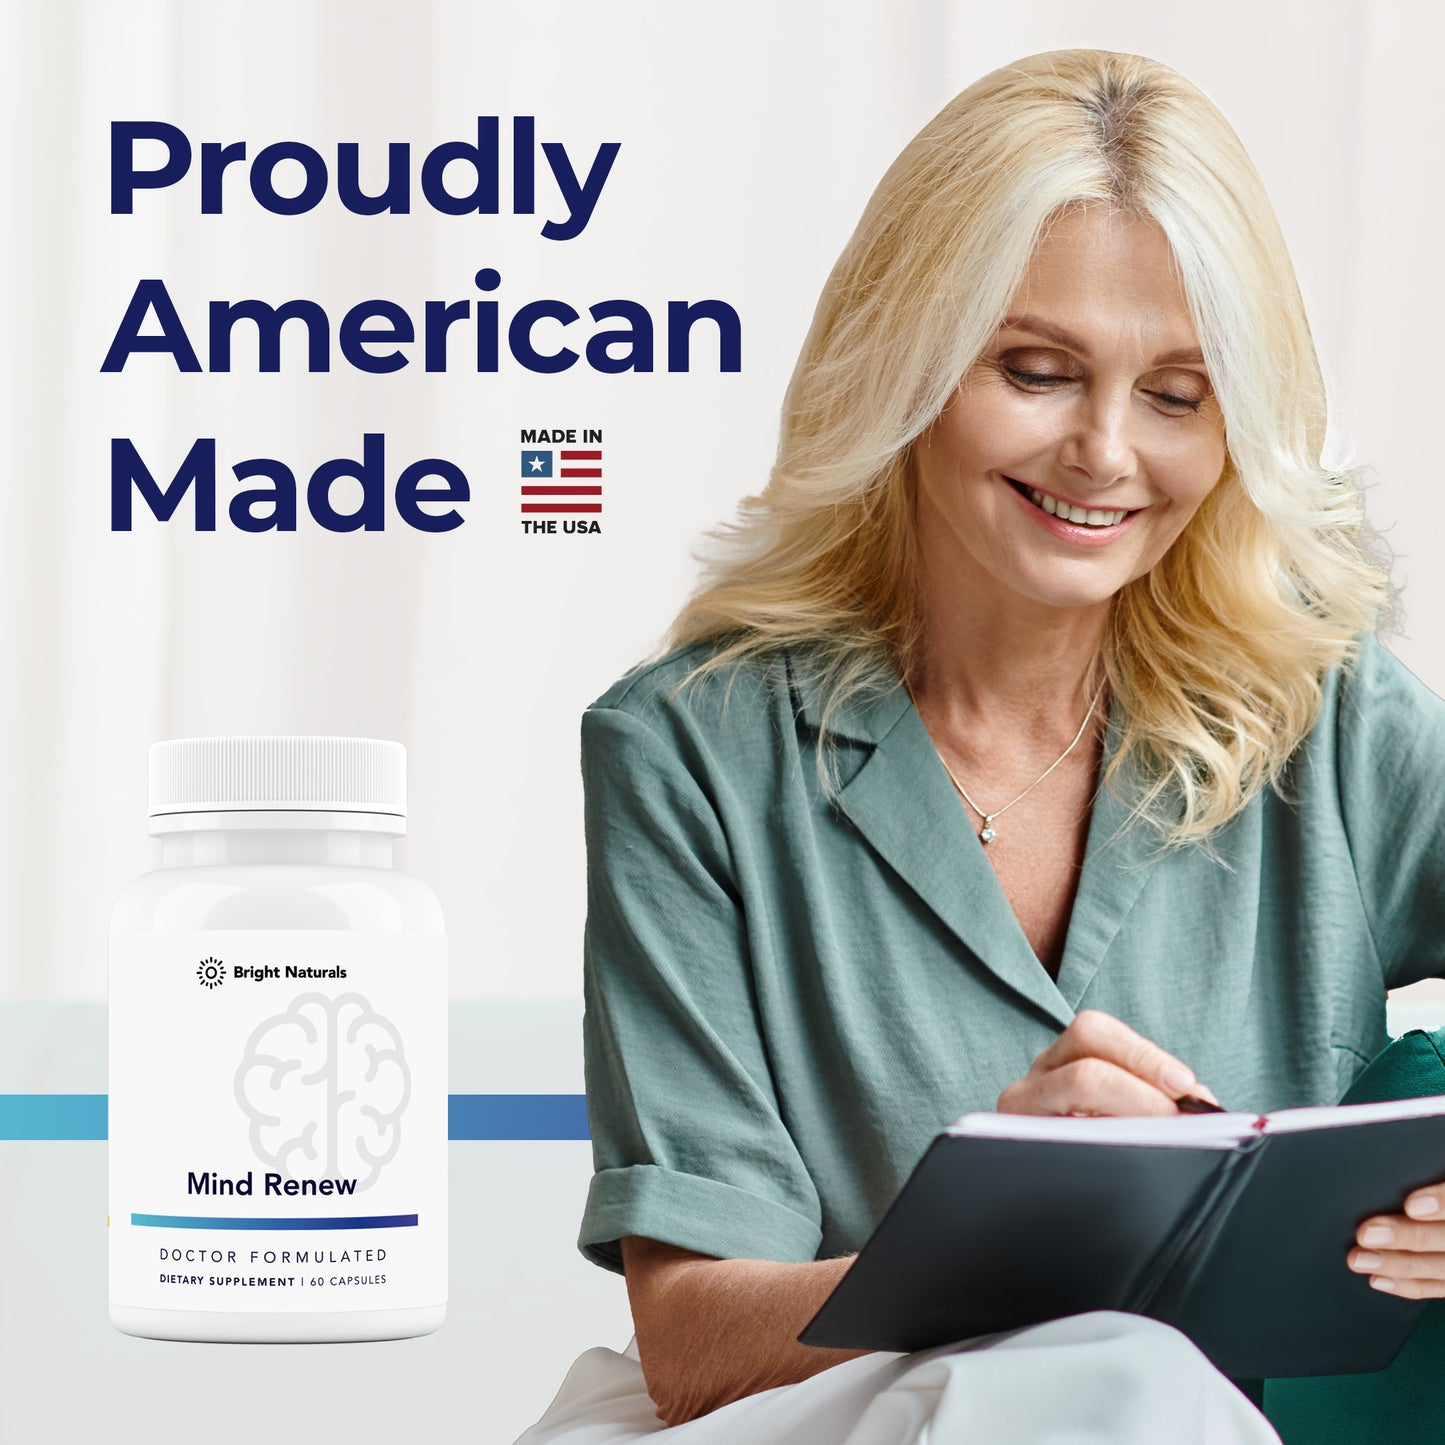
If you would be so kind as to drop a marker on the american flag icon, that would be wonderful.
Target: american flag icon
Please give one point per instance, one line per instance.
(574, 480)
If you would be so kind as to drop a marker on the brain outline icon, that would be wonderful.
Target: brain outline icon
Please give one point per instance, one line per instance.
(324, 1085)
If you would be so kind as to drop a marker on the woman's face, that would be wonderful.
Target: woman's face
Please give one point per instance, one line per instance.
(1092, 399)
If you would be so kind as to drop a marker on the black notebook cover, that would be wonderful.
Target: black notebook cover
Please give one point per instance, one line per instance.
(1242, 1248)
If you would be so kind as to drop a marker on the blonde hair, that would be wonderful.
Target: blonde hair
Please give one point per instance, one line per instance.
(1219, 652)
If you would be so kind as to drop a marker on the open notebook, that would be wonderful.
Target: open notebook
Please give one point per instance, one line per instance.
(1231, 1227)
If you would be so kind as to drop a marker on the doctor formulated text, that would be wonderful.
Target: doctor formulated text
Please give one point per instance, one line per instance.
(497, 170)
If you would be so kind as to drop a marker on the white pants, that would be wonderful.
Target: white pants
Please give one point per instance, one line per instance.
(1096, 1379)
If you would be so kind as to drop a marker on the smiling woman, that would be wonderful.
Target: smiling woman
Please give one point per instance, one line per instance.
(1028, 748)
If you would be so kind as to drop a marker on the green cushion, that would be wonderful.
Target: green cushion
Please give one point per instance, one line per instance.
(1404, 1404)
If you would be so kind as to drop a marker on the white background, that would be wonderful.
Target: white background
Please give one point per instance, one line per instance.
(751, 136)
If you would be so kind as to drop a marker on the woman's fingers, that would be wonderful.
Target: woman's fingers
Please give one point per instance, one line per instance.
(1411, 1276)
(1398, 1264)
(1394, 1231)
(1402, 1255)
(1095, 1034)
(1085, 1086)
(1099, 1065)
(1425, 1203)
(1408, 1288)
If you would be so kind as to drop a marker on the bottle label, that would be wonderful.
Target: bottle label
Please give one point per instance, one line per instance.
(278, 1120)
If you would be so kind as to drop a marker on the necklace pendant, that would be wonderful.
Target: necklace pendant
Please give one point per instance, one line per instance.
(988, 834)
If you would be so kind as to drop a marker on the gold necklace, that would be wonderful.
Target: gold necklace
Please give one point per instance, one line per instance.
(989, 833)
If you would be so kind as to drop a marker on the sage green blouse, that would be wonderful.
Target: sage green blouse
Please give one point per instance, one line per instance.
(788, 997)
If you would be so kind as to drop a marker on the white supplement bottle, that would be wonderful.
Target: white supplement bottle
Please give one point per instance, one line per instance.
(278, 1053)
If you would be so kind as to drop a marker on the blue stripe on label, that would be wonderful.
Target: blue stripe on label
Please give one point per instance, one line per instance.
(469, 1116)
(203, 1221)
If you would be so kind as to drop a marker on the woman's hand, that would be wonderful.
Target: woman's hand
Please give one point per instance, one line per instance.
(1099, 1065)
(1404, 1254)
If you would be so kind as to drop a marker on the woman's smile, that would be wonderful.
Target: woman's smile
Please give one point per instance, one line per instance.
(1073, 520)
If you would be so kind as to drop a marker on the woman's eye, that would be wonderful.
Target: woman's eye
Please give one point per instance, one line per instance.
(1033, 378)
(1183, 403)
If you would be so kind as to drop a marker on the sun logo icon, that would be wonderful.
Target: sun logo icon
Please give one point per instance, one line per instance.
(212, 973)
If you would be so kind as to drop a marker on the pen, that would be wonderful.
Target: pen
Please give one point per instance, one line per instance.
(1193, 1104)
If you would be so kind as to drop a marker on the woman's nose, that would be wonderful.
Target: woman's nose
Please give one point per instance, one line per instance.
(1100, 444)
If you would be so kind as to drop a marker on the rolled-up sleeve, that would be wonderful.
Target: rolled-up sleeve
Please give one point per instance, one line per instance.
(687, 1140)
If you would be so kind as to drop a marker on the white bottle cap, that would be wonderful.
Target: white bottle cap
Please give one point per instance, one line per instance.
(279, 774)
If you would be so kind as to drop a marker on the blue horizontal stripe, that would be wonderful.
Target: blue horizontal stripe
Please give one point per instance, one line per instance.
(469, 1116)
(205, 1221)
(52, 1116)
(517, 1116)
